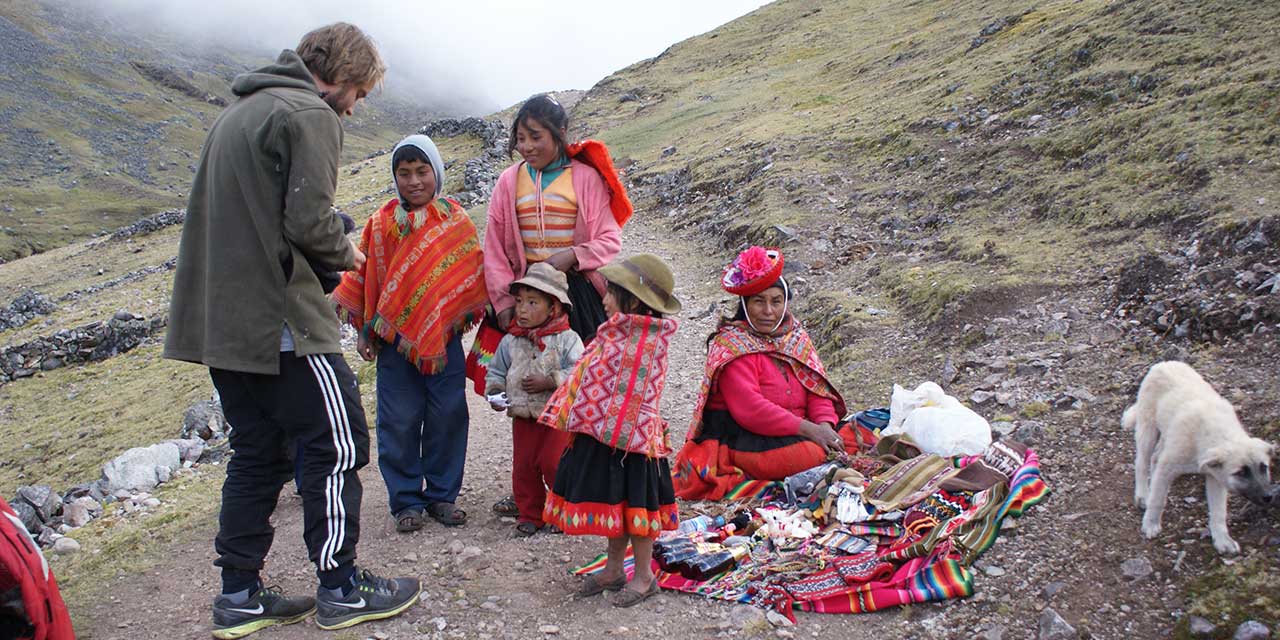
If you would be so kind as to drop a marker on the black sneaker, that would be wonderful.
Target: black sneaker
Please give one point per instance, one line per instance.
(373, 598)
(265, 608)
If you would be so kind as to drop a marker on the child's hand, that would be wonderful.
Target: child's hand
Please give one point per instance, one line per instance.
(535, 382)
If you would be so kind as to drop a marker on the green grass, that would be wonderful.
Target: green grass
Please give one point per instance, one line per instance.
(59, 427)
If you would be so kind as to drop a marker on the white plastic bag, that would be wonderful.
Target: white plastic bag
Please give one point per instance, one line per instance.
(937, 422)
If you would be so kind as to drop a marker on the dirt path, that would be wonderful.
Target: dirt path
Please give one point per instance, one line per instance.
(1076, 540)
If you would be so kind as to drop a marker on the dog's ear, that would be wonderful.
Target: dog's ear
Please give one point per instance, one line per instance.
(1212, 460)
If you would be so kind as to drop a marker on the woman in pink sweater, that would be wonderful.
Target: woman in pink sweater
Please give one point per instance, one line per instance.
(766, 409)
(563, 205)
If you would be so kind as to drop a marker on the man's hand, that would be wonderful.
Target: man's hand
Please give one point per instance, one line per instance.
(535, 382)
(367, 347)
(359, 265)
(563, 261)
(505, 317)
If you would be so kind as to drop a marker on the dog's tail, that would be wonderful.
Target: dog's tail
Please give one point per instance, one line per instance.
(1130, 418)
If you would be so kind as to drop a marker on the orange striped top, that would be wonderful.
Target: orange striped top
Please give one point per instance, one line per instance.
(546, 217)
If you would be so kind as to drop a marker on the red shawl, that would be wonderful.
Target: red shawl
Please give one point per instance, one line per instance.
(422, 284)
(697, 473)
(595, 154)
(614, 390)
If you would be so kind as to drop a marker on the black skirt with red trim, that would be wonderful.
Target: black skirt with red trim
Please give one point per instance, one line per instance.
(609, 492)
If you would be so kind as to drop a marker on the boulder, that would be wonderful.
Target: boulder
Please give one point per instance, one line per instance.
(43, 498)
(142, 468)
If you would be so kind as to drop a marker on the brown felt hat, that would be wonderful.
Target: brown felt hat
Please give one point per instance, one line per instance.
(648, 278)
(547, 279)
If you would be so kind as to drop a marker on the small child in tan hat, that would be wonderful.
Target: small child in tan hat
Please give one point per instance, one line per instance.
(536, 356)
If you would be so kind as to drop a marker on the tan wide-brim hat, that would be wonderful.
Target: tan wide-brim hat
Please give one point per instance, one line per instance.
(547, 279)
(648, 278)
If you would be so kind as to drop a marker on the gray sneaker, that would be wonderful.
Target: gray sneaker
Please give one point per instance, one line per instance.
(265, 608)
(373, 598)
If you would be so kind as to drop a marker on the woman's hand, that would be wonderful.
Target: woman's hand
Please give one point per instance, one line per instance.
(505, 317)
(563, 261)
(367, 347)
(535, 382)
(823, 435)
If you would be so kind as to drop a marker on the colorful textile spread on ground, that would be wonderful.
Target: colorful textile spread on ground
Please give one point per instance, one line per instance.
(930, 519)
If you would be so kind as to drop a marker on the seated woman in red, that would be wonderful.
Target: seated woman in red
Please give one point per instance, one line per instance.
(766, 409)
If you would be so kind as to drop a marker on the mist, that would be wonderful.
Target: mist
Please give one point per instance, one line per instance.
(464, 58)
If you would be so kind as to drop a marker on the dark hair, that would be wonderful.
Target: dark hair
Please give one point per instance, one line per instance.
(410, 153)
(544, 110)
(552, 301)
(629, 303)
(740, 314)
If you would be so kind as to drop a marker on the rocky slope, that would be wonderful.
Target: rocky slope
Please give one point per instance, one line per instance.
(100, 125)
(1027, 204)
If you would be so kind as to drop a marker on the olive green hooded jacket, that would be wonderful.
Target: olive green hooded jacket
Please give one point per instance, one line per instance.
(259, 208)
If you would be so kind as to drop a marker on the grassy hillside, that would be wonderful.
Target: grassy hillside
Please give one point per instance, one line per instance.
(100, 127)
(1004, 145)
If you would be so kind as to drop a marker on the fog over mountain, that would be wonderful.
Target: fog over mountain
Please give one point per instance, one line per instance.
(470, 57)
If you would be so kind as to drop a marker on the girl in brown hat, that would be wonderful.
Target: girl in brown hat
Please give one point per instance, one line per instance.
(614, 480)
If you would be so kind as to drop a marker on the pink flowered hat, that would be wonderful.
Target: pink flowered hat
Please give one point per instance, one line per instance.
(753, 271)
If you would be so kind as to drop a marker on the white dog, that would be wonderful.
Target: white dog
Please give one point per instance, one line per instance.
(1181, 425)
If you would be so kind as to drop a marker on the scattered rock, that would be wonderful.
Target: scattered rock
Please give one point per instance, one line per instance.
(981, 398)
(1053, 627)
(1200, 627)
(142, 468)
(472, 558)
(188, 450)
(80, 511)
(1136, 568)
(777, 619)
(993, 632)
(1029, 432)
(1003, 429)
(1052, 589)
(1251, 630)
(65, 546)
(43, 498)
(747, 618)
(204, 420)
(549, 629)
(456, 547)
(27, 515)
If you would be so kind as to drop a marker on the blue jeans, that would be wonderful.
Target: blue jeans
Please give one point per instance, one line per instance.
(422, 429)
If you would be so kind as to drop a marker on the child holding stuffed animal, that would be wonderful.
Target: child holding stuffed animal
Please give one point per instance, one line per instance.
(536, 356)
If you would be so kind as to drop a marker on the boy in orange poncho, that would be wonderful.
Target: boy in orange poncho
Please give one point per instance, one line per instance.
(422, 288)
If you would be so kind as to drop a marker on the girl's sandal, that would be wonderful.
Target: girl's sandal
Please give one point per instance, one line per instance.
(526, 529)
(506, 507)
(593, 586)
(631, 598)
(447, 514)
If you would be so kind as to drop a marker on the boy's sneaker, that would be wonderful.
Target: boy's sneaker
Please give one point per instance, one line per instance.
(265, 608)
(373, 598)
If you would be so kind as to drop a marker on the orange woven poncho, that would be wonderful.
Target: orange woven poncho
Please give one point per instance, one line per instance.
(422, 283)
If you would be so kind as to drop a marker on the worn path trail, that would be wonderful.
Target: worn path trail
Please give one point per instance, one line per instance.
(516, 588)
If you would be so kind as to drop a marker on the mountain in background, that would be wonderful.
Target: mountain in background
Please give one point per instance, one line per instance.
(101, 125)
